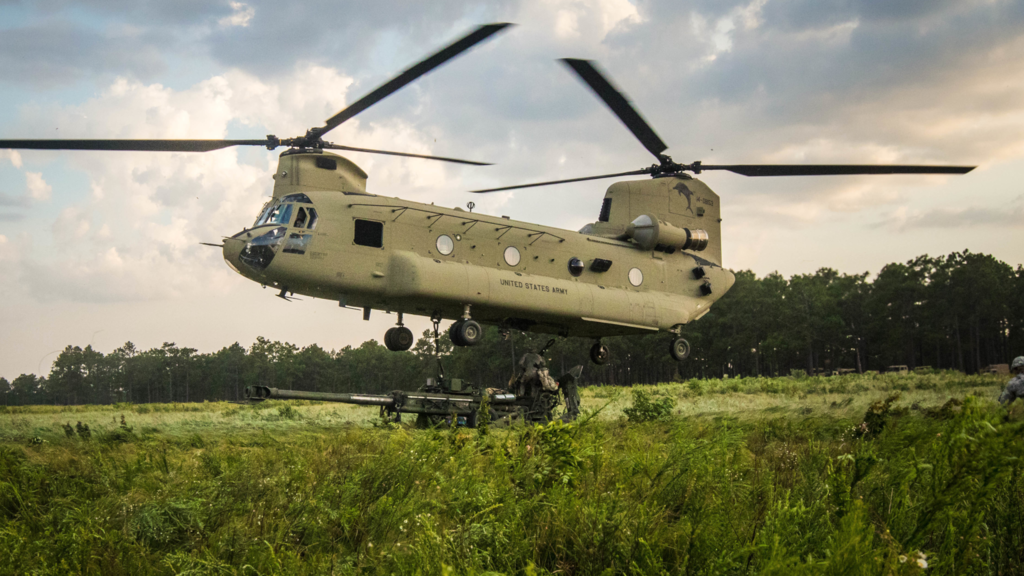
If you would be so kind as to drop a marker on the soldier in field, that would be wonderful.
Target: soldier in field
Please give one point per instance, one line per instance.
(1015, 387)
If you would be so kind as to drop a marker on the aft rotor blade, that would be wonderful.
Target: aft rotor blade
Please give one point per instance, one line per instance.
(406, 154)
(130, 145)
(618, 103)
(833, 169)
(419, 69)
(633, 173)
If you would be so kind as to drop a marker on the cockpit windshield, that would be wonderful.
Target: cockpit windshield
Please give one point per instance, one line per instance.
(280, 212)
(275, 214)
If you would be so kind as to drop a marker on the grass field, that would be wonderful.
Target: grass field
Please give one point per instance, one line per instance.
(755, 475)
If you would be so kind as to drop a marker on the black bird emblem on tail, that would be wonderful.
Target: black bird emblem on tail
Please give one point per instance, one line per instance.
(684, 191)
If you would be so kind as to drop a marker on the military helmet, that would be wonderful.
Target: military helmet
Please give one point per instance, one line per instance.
(1018, 362)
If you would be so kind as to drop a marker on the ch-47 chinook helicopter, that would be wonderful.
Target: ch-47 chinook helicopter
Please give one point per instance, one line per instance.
(652, 262)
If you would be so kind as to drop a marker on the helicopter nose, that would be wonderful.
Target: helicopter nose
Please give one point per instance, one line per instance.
(232, 250)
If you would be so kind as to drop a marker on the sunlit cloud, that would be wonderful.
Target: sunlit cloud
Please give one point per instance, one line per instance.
(241, 16)
(38, 189)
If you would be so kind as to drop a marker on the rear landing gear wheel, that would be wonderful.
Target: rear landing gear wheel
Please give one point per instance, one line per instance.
(599, 353)
(680, 349)
(398, 339)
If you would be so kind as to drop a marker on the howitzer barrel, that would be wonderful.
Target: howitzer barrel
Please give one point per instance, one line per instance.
(407, 399)
(268, 393)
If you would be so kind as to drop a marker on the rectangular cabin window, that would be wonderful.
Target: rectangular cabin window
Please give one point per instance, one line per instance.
(606, 210)
(369, 233)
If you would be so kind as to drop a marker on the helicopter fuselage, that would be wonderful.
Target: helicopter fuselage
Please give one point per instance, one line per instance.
(375, 252)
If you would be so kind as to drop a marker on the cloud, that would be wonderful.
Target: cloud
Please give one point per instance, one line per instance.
(242, 15)
(13, 155)
(7, 200)
(60, 52)
(572, 18)
(72, 224)
(945, 218)
(38, 189)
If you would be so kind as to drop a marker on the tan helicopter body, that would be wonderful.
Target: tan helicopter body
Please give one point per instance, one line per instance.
(652, 262)
(375, 252)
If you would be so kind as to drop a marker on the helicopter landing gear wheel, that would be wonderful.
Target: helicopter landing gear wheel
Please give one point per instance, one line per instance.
(599, 353)
(398, 339)
(466, 333)
(680, 349)
(453, 333)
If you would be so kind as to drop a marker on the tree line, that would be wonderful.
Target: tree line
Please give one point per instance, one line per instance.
(960, 312)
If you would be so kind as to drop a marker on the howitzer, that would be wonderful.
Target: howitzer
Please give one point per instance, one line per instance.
(533, 398)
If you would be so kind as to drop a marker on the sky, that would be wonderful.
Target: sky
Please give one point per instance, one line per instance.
(101, 248)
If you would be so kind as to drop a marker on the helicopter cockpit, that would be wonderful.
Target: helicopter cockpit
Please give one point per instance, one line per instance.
(280, 212)
(260, 251)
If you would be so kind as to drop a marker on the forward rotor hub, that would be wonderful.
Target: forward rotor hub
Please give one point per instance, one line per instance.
(668, 167)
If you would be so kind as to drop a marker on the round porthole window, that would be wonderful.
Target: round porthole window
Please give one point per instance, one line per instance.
(636, 277)
(575, 266)
(512, 256)
(445, 245)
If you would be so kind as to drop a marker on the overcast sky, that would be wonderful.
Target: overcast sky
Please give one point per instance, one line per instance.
(101, 248)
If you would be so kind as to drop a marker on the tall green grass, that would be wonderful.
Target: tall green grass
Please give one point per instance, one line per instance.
(284, 492)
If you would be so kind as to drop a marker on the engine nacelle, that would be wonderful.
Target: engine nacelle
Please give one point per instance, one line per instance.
(650, 233)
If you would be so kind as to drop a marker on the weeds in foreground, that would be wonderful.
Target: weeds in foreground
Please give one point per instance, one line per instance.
(786, 495)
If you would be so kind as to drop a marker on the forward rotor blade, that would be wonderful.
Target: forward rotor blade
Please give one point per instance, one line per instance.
(633, 173)
(130, 145)
(417, 70)
(834, 169)
(406, 154)
(618, 103)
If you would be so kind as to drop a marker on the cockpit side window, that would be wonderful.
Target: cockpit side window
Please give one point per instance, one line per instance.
(312, 218)
(300, 218)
